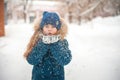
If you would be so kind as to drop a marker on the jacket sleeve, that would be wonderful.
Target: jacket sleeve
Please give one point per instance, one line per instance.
(61, 52)
(37, 53)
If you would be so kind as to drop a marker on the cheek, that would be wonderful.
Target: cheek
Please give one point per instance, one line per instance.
(45, 31)
(54, 31)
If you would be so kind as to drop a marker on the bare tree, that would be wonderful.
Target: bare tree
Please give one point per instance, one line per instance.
(89, 9)
(25, 9)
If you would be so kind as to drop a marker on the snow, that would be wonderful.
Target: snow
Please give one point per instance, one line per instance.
(95, 51)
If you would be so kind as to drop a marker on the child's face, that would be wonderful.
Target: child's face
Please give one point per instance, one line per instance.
(49, 30)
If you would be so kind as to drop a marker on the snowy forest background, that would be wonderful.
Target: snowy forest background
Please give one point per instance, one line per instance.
(76, 10)
(93, 36)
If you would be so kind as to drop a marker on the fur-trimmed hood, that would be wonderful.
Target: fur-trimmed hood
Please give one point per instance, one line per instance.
(37, 32)
(63, 30)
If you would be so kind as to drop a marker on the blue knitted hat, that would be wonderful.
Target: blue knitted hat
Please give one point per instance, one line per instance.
(50, 18)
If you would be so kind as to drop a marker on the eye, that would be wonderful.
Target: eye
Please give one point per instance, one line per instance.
(46, 26)
(53, 26)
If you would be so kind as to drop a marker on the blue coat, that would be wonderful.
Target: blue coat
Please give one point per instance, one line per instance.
(49, 60)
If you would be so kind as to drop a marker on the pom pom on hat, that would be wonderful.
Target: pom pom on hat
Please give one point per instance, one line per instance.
(50, 18)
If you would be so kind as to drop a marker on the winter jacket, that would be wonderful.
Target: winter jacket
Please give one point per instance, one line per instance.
(48, 60)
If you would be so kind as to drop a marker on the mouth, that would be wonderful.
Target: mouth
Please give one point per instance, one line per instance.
(49, 33)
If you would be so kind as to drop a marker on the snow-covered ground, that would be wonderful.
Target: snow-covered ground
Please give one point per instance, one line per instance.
(95, 49)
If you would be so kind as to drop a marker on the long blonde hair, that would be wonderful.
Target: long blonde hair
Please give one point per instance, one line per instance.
(38, 31)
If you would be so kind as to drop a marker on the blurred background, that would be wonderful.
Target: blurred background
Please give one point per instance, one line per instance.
(72, 10)
(93, 36)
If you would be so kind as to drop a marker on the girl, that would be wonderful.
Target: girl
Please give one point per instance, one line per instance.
(47, 50)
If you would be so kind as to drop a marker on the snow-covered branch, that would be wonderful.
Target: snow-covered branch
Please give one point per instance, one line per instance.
(91, 7)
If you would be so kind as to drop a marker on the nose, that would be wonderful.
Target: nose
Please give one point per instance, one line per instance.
(49, 28)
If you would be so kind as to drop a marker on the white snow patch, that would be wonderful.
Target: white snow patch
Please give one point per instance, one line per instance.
(94, 45)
